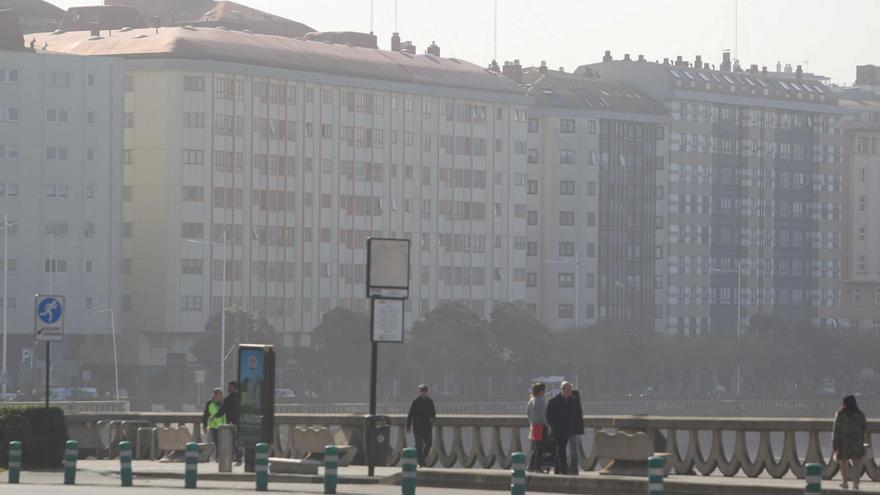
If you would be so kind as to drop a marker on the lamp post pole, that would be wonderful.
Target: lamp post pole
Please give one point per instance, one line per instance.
(224, 244)
(115, 357)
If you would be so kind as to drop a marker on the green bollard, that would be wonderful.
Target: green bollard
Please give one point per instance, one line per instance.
(71, 453)
(125, 462)
(813, 477)
(518, 474)
(261, 466)
(331, 469)
(14, 462)
(192, 464)
(656, 474)
(408, 465)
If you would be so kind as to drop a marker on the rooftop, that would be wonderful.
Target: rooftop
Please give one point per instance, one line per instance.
(32, 7)
(551, 88)
(189, 43)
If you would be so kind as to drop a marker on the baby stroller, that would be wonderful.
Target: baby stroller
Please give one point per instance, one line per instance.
(545, 460)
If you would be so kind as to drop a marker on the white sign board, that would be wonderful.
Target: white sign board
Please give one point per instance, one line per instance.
(48, 318)
(388, 268)
(387, 324)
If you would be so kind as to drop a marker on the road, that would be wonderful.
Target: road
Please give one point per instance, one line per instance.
(96, 484)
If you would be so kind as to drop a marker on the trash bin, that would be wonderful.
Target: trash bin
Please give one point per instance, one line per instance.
(377, 440)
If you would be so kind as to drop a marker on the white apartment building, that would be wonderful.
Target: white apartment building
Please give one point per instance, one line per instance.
(294, 152)
(61, 190)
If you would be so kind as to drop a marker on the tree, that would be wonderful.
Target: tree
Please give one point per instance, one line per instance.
(242, 327)
(523, 341)
(453, 342)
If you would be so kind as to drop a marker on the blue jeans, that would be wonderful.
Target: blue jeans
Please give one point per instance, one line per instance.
(573, 454)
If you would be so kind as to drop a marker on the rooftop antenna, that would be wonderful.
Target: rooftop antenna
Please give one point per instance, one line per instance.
(495, 41)
(736, 32)
(372, 5)
(395, 17)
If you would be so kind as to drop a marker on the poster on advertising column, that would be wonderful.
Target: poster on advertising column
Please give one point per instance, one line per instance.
(256, 382)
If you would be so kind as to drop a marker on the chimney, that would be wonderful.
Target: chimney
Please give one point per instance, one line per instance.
(725, 61)
(778, 66)
(698, 62)
(513, 71)
(764, 70)
(408, 47)
(626, 57)
(788, 68)
(562, 69)
(607, 57)
(543, 68)
(753, 69)
(641, 58)
(433, 49)
(799, 73)
(678, 61)
(665, 61)
(395, 42)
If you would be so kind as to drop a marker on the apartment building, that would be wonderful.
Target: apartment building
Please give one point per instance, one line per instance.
(596, 161)
(292, 153)
(861, 293)
(754, 192)
(61, 192)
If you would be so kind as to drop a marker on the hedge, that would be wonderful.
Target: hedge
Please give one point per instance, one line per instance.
(29, 426)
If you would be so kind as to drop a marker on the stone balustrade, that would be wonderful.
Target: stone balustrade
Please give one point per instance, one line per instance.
(752, 447)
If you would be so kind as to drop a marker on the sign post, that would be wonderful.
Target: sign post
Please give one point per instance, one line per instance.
(387, 288)
(256, 390)
(48, 327)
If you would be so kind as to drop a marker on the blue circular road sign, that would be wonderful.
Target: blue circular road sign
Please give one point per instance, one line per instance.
(49, 310)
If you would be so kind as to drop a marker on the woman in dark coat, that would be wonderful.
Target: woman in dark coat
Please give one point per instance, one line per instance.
(849, 439)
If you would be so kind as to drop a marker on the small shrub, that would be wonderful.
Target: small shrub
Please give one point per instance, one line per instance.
(33, 427)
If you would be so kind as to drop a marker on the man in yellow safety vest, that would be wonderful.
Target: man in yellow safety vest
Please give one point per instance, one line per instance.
(212, 422)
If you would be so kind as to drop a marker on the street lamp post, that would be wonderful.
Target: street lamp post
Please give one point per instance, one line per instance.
(6, 226)
(115, 358)
(738, 273)
(225, 243)
(577, 299)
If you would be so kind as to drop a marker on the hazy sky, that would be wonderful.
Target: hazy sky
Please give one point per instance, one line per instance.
(833, 35)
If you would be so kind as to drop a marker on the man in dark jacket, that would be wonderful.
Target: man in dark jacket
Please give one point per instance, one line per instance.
(561, 411)
(231, 409)
(419, 421)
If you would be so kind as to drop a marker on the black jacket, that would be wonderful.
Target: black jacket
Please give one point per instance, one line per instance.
(578, 413)
(421, 413)
(230, 408)
(560, 416)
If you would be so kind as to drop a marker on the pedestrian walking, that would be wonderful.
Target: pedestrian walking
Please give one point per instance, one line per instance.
(231, 409)
(211, 422)
(577, 429)
(537, 413)
(849, 440)
(560, 417)
(420, 421)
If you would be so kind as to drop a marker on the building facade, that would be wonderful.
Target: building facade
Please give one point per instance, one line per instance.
(292, 153)
(597, 154)
(61, 192)
(861, 289)
(754, 193)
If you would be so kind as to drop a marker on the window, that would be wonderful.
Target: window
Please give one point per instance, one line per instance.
(566, 311)
(532, 156)
(532, 187)
(60, 79)
(9, 114)
(877, 295)
(58, 116)
(194, 157)
(591, 188)
(591, 219)
(89, 229)
(518, 115)
(856, 296)
(862, 201)
(659, 133)
(192, 230)
(531, 217)
(590, 281)
(327, 131)
(56, 153)
(193, 83)
(193, 120)
(861, 233)
(90, 117)
(566, 157)
(861, 264)
(566, 249)
(534, 125)
(566, 187)
(191, 267)
(191, 303)
(531, 279)
(591, 127)
(591, 249)
(531, 248)
(193, 193)
(90, 191)
(566, 280)
(8, 152)
(566, 126)
(88, 266)
(54, 265)
(658, 252)
(566, 218)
